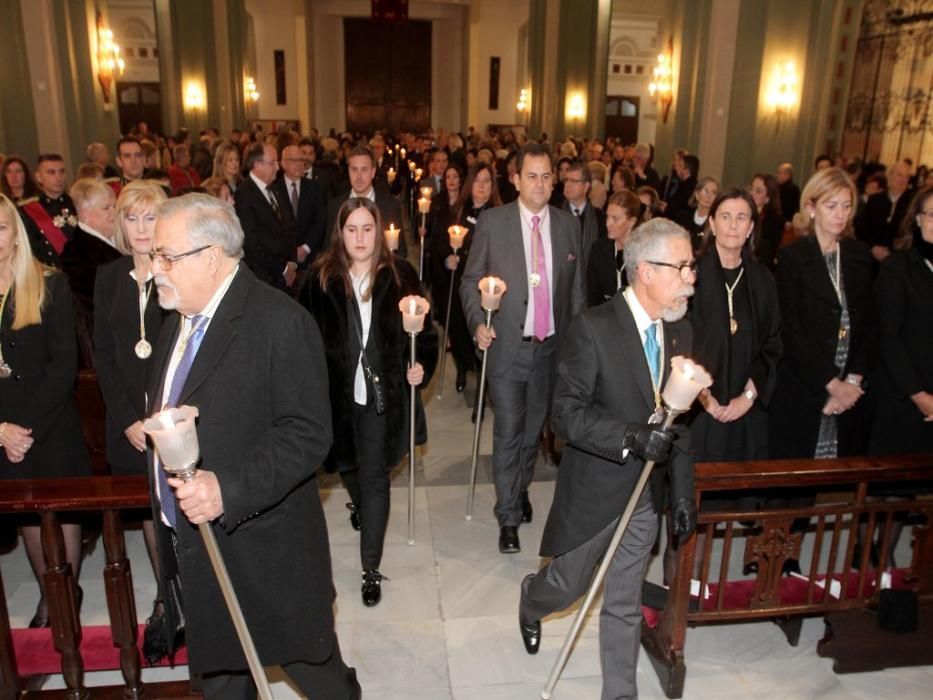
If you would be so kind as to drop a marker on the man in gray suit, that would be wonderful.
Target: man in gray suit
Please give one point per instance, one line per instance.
(535, 249)
(613, 361)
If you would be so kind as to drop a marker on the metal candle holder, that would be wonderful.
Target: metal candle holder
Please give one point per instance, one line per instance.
(424, 204)
(414, 309)
(687, 379)
(176, 440)
(491, 291)
(457, 234)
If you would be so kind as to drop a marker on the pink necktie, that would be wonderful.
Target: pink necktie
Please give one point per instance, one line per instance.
(542, 296)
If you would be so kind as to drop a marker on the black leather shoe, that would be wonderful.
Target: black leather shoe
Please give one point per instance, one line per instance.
(508, 540)
(41, 618)
(372, 587)
(531, 634)
(461, 380)
(354, 516)
(527, 511)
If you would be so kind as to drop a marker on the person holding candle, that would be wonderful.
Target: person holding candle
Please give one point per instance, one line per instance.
(440, 217)
(40, 432)
(545, 293)
(251, 361)
(353, 292)
(614, 362)
(478, 194)
(695, 217)
(127, 319)
(605, 274)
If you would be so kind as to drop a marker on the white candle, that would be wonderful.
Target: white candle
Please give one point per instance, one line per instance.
(414, 309)
(424, 205)
(491, 290)
(418, 172)
(457, 234)
(392, 237)
(391, 175)
(175, 437)
(685, 382)
(427, 193)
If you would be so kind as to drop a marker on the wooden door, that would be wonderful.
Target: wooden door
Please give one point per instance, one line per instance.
(139, 102)
(622, 117)
(388, 75)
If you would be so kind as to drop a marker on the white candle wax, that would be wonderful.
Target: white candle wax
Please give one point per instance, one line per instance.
(457, 234)
(175, 437)
(414, 309)
(686, 380)
(392, 237)
(491, 290)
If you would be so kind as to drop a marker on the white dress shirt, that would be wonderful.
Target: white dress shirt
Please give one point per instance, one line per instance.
(360, 287)
(97, 234)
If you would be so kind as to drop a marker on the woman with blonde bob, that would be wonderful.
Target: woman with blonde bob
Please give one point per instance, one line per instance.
(830, 328)
(40, 433)
(227, 165)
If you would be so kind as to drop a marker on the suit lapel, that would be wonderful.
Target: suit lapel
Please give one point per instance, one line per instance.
(168, 336)
(813, 269)
(627, 335)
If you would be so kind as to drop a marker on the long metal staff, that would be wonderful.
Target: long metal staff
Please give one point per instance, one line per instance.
(181, 435)
(491, 289)
(457, 234)
(685, 383)
(413, 308)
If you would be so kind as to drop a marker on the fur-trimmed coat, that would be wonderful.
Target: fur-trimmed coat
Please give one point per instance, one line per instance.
(388, 352)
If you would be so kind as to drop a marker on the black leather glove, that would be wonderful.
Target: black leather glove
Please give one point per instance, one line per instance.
(651, 442)
(685, 517)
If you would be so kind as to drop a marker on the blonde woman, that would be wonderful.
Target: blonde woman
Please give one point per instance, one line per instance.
(40, 433)
(227, 165)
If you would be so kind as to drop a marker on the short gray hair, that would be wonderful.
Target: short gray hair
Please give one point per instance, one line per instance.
(647, 242)
(210, 221)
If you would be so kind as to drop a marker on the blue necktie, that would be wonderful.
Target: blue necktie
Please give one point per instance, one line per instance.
(166, 493)
(653, 352)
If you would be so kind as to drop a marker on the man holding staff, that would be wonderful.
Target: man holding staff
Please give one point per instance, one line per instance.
(613, 363)
(545, 292)
(251, 361)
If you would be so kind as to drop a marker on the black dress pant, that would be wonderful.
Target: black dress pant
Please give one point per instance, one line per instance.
(368, 484)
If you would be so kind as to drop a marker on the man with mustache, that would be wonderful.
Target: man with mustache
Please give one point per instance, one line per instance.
(612, 364)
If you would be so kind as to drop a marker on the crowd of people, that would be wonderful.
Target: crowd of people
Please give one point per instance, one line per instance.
(252, 274)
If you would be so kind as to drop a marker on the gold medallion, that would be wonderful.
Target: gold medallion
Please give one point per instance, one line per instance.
(733, 326)
(143, 349)
(842, 333)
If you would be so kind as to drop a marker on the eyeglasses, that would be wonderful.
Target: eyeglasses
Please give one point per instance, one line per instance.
(167, 261)
(685, 269)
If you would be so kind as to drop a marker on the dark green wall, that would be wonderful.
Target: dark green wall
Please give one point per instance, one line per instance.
(17, 112)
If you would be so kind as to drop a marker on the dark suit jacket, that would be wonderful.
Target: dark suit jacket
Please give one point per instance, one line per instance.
(327, 175)
(309, 225)
(498, 250)
(904, 290)
(880, 222)
(81, 257)
(602, 282)
(269, 240)
(121, 375)
(603, 384)
(811, 312)
(39, 394)
(790, 199)
(389, 209)
(257, 380)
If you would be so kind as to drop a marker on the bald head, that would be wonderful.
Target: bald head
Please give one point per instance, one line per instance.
(294, 162)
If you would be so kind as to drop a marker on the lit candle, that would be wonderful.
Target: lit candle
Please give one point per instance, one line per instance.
(418, 173)
(685, 382)
(391, 175)
(414, 309)
(427, 192)
(424, 205)
(403, 153)
(491, 290)
(411, 165)
(457, 234)
(392, 237)
(175, 438)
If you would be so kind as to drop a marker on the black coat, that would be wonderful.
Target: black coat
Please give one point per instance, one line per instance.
(811, 312)
(603, 384)
(879, 223)
(389, 209)
(602, 282)
(790, 199)
(81, 257)
(387, 350)
(257, 381)
(40, 393)
(121, 375)
(768, 238)
(312, 215)
(757, 357)
(904, 290)
(269, 242)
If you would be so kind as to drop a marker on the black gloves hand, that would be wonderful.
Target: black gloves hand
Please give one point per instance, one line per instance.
(685, 517)
(651, 442)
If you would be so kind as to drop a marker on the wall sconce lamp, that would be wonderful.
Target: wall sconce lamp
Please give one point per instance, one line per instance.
(109, 61)
(524, 100)
(250, 91)
(661, 87)
(194, 96)
(576, 107)
(782, 91)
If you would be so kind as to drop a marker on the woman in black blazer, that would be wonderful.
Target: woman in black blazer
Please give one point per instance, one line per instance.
(438, 219)
(695, 217)
(903, 380)
(479, 193)
(353, 293)
(40, 432)
(830, 333)
(605, 267)
(127, 319)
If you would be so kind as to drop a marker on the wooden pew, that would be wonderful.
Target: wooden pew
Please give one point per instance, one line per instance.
(844, 485)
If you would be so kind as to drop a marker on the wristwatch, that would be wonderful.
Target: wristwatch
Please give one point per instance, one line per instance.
(749, 394)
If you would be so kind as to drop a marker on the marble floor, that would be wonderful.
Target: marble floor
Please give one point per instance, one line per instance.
(446, 628)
